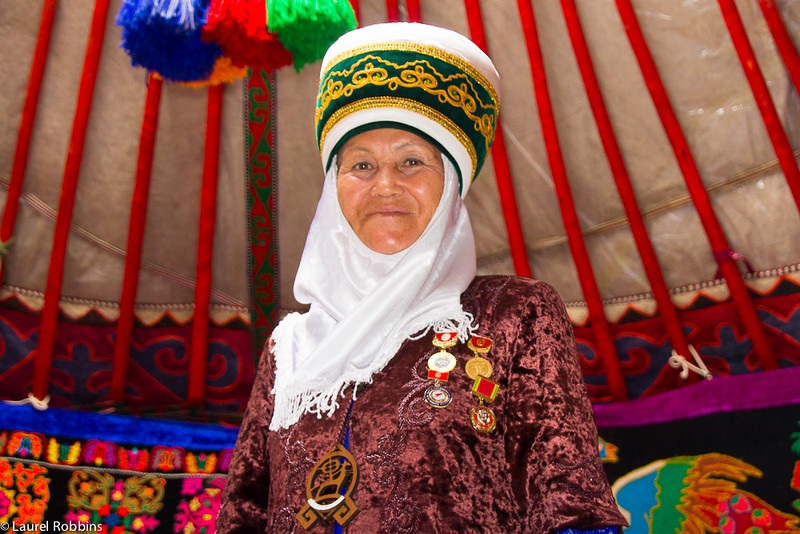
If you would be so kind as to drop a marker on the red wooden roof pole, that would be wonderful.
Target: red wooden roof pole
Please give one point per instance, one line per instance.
(69, 185)
(502, 170)
(357, 10)
(205, 248)
(786, 48)
(508, 203)
(723, 253)
(136, 226)
(666, 308)
(783, 149)
(604, 340)
(392, 11)
(414, 11)
(20, 163)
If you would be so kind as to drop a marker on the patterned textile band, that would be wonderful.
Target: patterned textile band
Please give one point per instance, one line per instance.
(606, 530)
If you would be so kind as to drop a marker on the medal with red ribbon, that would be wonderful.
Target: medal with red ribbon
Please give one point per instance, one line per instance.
(481, 416)
(479, 365)
(439, 366)
(479, 369)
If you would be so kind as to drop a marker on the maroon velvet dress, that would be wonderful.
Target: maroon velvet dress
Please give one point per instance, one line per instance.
(426, 470)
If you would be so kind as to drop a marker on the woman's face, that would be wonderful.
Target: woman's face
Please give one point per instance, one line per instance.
(389, 184)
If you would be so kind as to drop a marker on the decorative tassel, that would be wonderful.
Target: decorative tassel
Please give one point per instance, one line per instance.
(224, 72)
(165, 36)
(239, 27)
(308, 27)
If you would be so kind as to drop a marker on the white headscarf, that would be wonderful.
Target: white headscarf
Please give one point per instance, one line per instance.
(364, 304)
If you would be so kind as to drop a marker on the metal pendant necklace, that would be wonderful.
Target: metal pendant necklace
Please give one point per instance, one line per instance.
(331, 483)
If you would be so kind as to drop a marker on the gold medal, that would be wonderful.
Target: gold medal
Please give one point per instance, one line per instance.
(478, 366)
(482, 419)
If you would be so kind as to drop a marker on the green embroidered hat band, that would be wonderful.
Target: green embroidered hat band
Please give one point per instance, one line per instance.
(428, 80)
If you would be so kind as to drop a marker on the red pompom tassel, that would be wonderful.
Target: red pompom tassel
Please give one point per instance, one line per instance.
(239, 27)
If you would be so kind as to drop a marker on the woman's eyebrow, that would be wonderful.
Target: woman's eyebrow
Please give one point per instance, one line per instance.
(355, 147)
(354, 151)
(415, 144)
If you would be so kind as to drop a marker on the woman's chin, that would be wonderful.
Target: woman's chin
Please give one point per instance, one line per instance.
(388, 244)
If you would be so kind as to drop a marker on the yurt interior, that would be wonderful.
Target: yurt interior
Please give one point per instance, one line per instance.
(159, 172)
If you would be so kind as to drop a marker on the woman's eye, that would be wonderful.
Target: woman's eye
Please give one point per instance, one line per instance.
(413, 162)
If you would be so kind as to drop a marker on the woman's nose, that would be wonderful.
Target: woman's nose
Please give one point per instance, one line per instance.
(387, 181)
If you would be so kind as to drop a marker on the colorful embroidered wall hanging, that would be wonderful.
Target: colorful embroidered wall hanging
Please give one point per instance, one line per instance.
(720, 456)
(117, 473)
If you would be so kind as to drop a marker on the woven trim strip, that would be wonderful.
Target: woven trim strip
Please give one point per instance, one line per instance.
(262, 206)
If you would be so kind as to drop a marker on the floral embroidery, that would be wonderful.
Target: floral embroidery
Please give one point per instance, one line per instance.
(63, 453)
(24, 493)
(123, 506)
(199, 513)
(201, 463)
(401, 514)
(135, 459)
(6, 504)
(26, 444)
(100, 453)
(298, 463)
(167, 458)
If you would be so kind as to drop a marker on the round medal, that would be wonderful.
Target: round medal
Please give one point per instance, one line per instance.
(483, 419)
(442, 361)
(478, 366)
(438, 397)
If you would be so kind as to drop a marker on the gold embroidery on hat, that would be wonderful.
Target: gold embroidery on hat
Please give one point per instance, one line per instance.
(427, 50)
(402, 103)
(456, 90)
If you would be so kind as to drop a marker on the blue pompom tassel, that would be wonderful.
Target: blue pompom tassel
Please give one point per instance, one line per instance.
(165, 36)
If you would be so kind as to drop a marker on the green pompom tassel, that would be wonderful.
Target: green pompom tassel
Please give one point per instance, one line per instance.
(308, 27)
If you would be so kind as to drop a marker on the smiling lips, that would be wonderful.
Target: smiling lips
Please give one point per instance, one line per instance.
(385, 211)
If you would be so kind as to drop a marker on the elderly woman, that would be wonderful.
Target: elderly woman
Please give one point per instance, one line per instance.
(413, 396)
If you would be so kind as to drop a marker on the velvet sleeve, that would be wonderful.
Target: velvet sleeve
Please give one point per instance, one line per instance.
(551, 445)
(246, 495)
